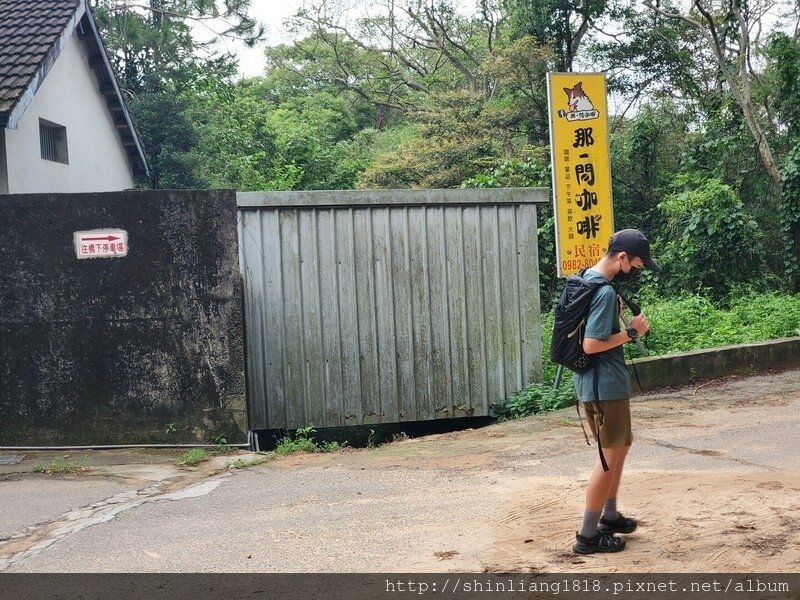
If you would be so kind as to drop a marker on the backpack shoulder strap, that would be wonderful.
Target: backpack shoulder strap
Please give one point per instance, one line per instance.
(593, 282)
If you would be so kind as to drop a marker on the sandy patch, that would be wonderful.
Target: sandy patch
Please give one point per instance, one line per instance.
(689, 522)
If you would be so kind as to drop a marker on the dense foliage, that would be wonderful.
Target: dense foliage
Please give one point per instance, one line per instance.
(705, 137)
(679, 324)
(705, 140)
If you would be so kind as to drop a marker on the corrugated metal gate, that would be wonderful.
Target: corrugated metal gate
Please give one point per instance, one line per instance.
(388, 306)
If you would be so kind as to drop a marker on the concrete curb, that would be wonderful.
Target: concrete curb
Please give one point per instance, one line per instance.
(688, 367)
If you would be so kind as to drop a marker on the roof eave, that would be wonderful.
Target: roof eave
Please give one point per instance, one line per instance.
(10, 119)
(117, 91)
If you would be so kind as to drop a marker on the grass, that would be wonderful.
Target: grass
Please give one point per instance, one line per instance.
(242, 463)
(301, 441)
(220, 442)
(58, 467)
(695, 322)
(195, 456)
(680, 324)
(535, 398)
(192, 458)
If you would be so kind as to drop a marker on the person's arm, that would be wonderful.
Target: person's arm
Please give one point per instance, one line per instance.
(593, 345)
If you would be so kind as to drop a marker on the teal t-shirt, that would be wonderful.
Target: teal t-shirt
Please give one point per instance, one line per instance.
(613, 381)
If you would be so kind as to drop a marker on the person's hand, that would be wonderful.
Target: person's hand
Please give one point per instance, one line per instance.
(640, 323)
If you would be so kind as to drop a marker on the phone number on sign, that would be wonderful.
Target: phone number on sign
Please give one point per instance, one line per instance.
(576, 263)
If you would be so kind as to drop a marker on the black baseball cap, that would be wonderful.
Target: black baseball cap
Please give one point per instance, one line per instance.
(633, 242)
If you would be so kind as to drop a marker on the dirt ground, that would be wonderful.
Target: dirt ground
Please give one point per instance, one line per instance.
(713, 477)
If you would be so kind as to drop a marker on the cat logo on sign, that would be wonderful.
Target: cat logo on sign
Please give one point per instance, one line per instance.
(581, 168)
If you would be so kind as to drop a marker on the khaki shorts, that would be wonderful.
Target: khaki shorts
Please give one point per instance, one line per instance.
(612, 420)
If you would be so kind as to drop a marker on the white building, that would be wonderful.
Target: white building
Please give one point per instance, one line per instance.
(64, 124)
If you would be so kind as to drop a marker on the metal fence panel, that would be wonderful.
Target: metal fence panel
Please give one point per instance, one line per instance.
(388, 306)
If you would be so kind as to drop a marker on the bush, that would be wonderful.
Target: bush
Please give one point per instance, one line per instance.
(304, 442)
(537, 397)
(695, 322)
(684, 323)
(712, 242)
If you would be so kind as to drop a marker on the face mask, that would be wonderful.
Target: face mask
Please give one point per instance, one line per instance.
(631, 275)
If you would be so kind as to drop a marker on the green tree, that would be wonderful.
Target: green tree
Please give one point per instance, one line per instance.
(646, 155)
(166, 72)
(458, 138)
(464, 133)
(561, 25)
(306, 142)
(402, 52)
(170, 139)
(711, 241)
(731, 31)
(784, 53)
(152, 45)
(519, 71)
(237, 145)
(308, 131)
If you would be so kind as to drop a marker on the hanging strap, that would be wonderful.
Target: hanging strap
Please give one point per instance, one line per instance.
(580, 420)
(602, 421)
(636, 373)
(635, 310)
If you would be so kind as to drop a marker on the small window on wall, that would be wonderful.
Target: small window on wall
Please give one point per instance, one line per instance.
(53, 140)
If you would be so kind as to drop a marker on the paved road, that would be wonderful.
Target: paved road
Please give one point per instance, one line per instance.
(464, 501)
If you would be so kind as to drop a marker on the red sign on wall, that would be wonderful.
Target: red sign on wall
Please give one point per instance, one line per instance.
(101, 243)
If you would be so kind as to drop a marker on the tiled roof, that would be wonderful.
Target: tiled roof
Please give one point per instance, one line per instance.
(28, 31)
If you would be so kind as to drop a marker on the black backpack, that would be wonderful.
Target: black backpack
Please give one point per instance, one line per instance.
(566, 345)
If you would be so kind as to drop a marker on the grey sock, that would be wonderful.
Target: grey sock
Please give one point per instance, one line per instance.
(610, 510)
(590, 521)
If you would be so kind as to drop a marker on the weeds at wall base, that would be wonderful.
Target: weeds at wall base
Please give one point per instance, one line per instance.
(62, 468)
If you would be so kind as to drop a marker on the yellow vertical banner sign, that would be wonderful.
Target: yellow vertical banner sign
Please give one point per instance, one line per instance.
(581, 166)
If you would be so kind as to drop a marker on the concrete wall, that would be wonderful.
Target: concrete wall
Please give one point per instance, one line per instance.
(69, 96)
(115, 350)
(689, 367)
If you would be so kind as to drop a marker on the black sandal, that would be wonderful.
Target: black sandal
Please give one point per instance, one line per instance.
(602, 541)
(621, 524)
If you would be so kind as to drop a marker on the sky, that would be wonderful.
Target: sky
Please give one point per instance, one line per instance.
(271, 13)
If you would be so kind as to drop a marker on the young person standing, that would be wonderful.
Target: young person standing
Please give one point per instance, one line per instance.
(604, 391)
